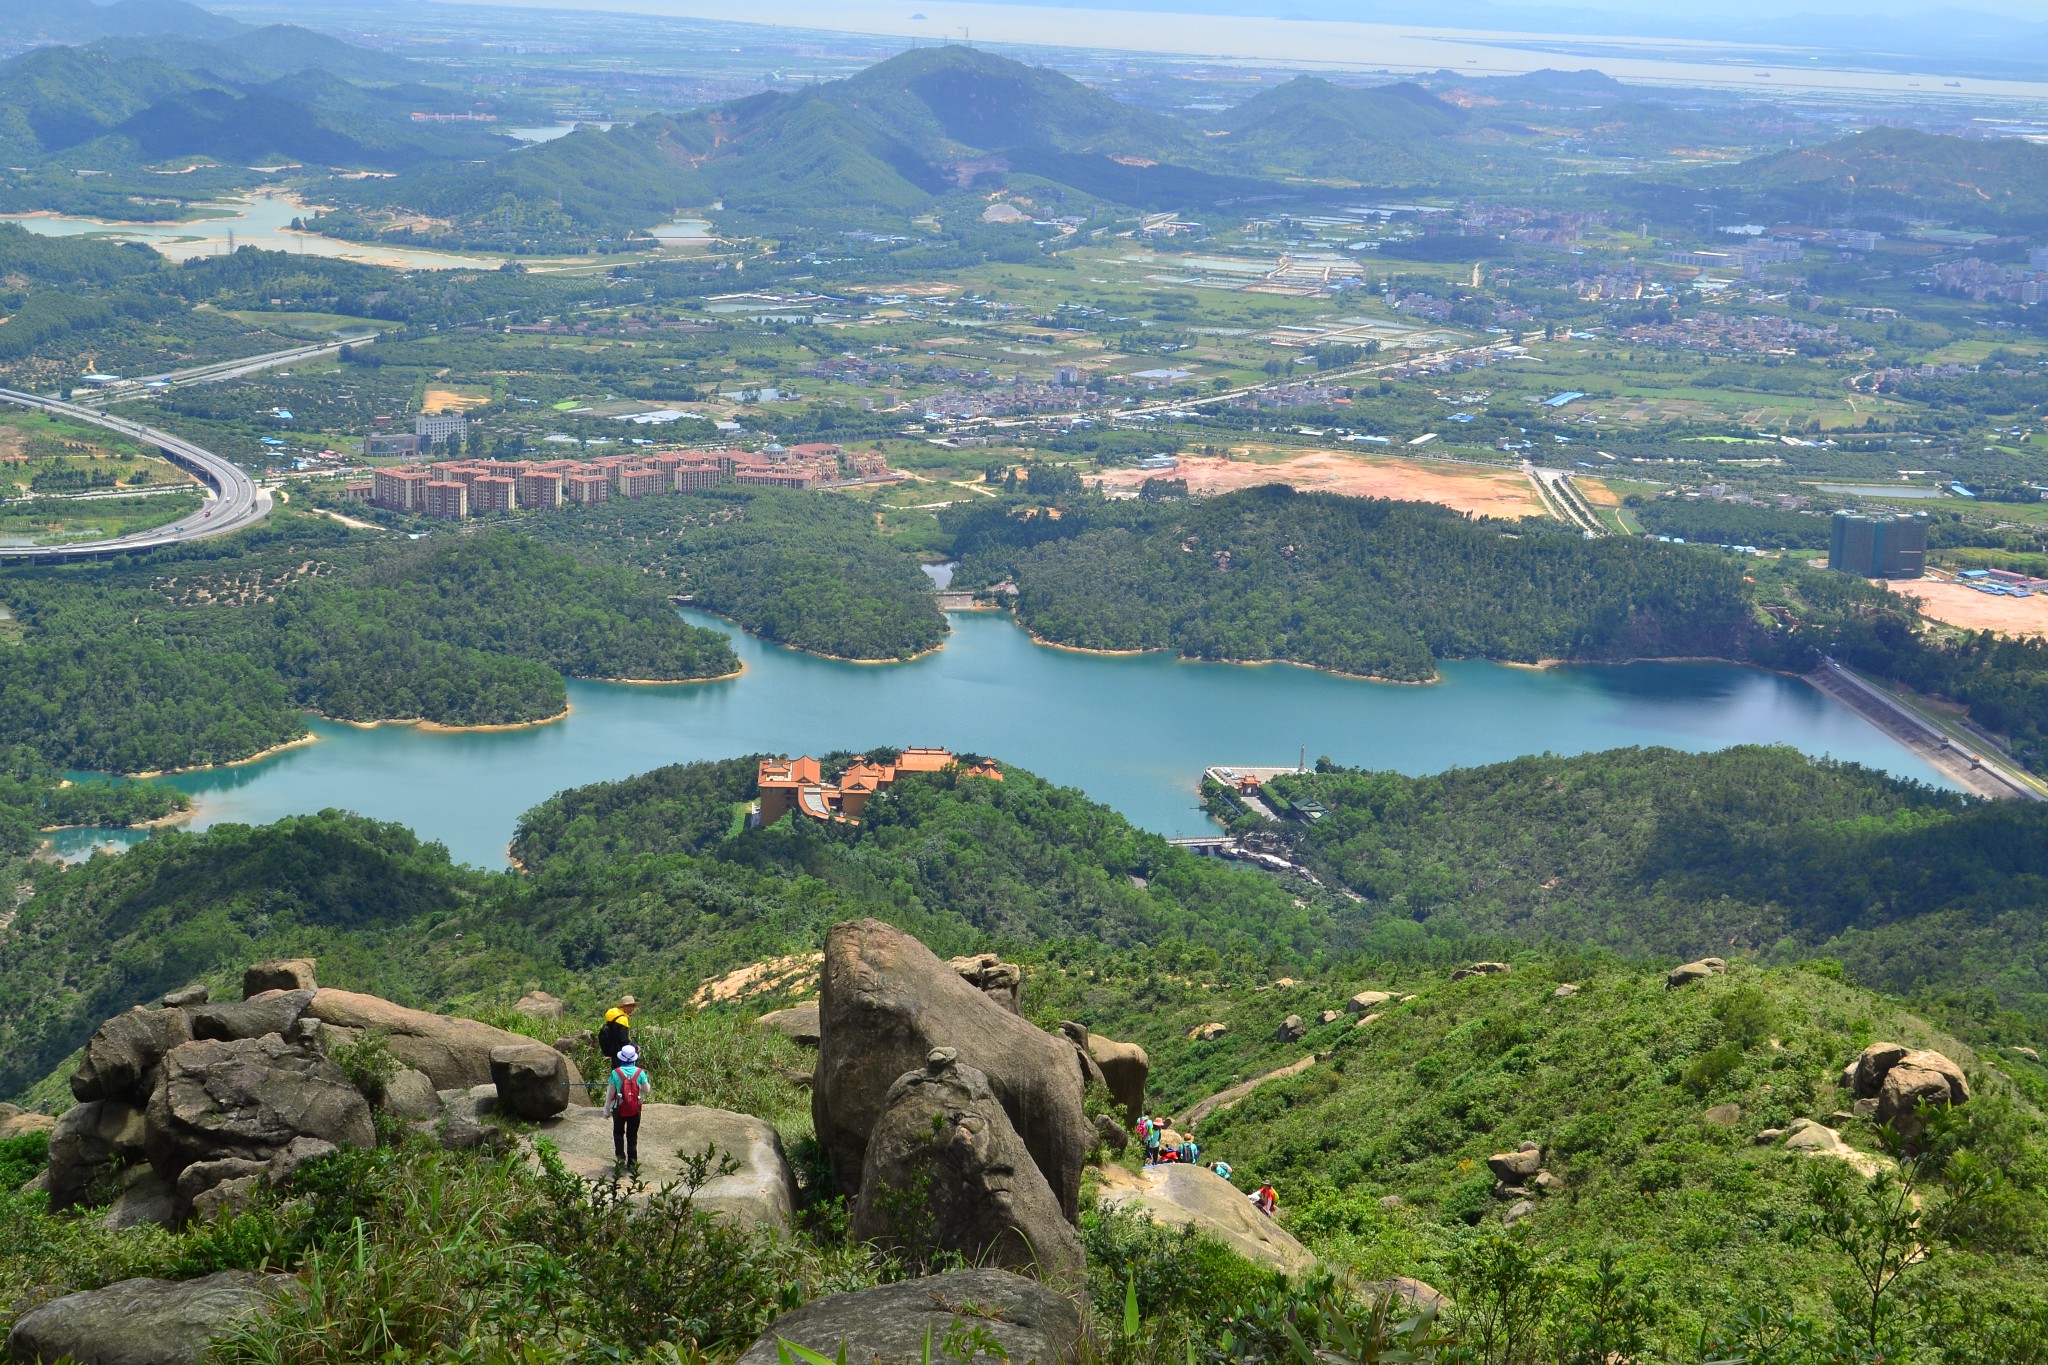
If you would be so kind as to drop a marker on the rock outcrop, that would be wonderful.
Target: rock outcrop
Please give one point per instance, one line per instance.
(893, 1322)
(1809, 1138)
(1685, 973)
(1291, 1030)
(760, 1193)
(946, 1172)
(266, 1012)
(798, 1023)
(18, 1122)
(1126, 1070)
(538, 1005)
(1208, 1033)
(286, 974)
(122, 1056)
(532, 1080)
(1365, 1002)
(1891, 1082)
(1183, 1196)
(143, 1322)
(1000, 981)
(886, 1002)
(455, 1052)
(92, 1143)
(247, 1100)
(1479, 969)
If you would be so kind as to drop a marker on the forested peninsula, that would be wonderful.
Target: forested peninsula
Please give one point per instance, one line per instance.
(1364, 586)
(216, 652)
(793, 567)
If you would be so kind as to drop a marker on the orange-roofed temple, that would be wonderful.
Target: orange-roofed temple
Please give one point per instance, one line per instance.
(798, 784)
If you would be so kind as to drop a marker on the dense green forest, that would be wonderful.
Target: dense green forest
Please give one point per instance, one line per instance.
(1362, 586)
(792, 567)
(1730, 523)
(213, 652)
(35, 797)
(1920, 892)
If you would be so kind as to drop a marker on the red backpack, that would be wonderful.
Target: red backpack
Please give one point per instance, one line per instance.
(629, 1092)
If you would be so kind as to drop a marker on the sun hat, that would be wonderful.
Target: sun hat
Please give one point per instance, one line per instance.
(629, 1054)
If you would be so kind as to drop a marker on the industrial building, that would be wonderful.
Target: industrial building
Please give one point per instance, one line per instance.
(1879, 546)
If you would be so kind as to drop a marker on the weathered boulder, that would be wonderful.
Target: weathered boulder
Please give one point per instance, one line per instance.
(456, 1053)
(1480, 969)
(1685, 973)
(122, 1056)
(266, 1012)
(91, 1143)
(1365, 1002)
(1519, 1210)
(532, 1080)
(1291, 1030)
(1863, 1077)
(1126, 1068)
(1920, 1077)
(145, 1197)
(286, 974)
(946, 1172)
(1815, 1139)
(202, 1178)
(1112, 1133)
(1182, 1196)
(1208, 1033)
(892, 1322)
(538, 1005)
(410, 1095)
(143, 1322)
(761, 1193)
(249, 1099)
(886, 1002)
(188, 995)
(1514, 1167)
(1328, 1017)
(1723, 1115)
(798, 1023)
(1000, 981)
(1565, 992)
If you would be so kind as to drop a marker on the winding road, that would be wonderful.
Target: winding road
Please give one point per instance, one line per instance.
(234, 502)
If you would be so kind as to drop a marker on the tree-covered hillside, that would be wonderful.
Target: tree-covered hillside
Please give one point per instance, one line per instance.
(792, 567)
(212, 653)
(1750, 850)
(1358, 585)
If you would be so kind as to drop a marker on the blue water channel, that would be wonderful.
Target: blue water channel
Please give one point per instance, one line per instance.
(1132, 731)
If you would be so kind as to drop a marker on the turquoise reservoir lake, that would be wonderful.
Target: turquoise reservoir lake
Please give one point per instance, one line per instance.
(1132, 731)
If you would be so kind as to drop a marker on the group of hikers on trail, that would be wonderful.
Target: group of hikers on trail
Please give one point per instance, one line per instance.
(626, 1089)
(1164, 1146)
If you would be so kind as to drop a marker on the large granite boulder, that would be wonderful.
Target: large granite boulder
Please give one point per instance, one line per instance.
(286, 974)
(1919, 1078)
(761, 1193)
(886, 1002)
(892, 1322)
(798, 1023)
(456, 1053)
(122, 1056)
(945, 1172)
(1000, 981)
(1125, 1068)
(143, 1322)
(538, 1005)
(91, 1145)
(1864, 1076)
(532, 1080)
(145, 1198)
(410, 1095)
(1183, 1196)
(1685, 973)
(267, 1012)
(249, 1099)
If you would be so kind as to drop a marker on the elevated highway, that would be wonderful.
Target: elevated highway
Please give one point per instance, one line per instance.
(233, 502)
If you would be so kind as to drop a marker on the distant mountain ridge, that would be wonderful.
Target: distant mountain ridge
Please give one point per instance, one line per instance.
(1986, 182)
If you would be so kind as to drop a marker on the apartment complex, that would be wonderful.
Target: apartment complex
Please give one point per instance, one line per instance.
(493, 486)
(798, 784)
